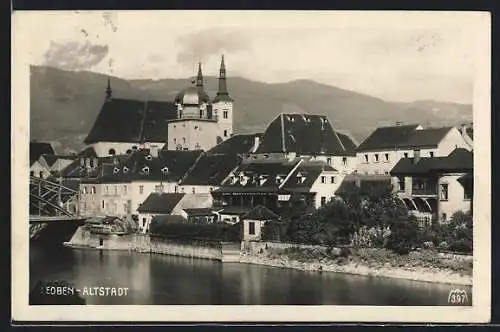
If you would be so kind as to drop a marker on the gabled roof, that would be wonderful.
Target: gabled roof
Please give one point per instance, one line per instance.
(308, 134)
(460, 160)
(260, 212)
(127, 120)
(309, 171)
(348, 142)
(211, 170)
(237, 144)
(39, 148)
(407, 136)
(160, 203)
(88, 152)
(51, 159)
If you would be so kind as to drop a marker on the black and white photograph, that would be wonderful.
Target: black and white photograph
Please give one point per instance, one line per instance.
(251, 165)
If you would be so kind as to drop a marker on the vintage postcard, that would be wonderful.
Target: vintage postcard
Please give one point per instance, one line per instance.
(272, 166)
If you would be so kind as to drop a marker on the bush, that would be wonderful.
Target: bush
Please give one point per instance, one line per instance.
(403, 236)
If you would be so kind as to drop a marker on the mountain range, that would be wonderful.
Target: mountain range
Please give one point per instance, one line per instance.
(65, 104)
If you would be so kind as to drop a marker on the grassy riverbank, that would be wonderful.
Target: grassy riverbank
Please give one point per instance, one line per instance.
(424, 265)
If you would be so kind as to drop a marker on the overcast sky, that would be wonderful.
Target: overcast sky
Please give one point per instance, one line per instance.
(396, 56)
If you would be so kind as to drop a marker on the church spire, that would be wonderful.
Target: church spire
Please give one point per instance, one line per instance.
(109, 92)
(222, 93)
(199, 78)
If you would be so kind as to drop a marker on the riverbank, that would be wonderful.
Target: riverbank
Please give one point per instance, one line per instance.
(426, 266)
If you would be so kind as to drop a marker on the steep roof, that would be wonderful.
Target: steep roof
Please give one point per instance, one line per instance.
(459, 160)
(160, 203)
(237, 144)
(127, 120)
(88, 152)
(408, 136)
(260, 212)
(348, 142)
(39, 148)
(169, 165)
(51, 159)
(309, 172)
(304, 134)
(211, 170)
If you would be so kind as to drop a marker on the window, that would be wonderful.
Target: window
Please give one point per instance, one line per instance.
(225, 133)
(32, 173)
(111, 152)
(93, 190)
(175, 140)
(224, 114)
(125, 207)
(344, 161)
(467, 194)
(386, 157)
(116, 189)
(41, 174)
(406, 154)
(443, 216)
(366, 159)
(375, 157)
(234, 219)
(323, 179)
(106, 190)
(84, 190)
(251, 228)
(201, 114)
(323, 200)
(141, 189)
(194, 190)
(431, 154)
(103, 204)
(332, 179)
(443, 192)
(329, 161)
(401, 184)
(125, 189)
(184, 140)
(143, 222)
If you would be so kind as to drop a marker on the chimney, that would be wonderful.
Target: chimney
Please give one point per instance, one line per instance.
(416, 156)
(154, 151)
(256, 143)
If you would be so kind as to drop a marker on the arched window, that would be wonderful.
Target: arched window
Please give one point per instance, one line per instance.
(111, 152)
(129, 151)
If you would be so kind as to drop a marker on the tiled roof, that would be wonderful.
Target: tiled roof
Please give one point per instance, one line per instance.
(309, 171)
(408, 136)
(304, 134)
(260, 212)
(170, 166)
(51, 159)
(460, 160)
(160, 203)
(348, 143)
(211, 170)
(237, 144)
(88, 152)
(39, 148)
(126, 120)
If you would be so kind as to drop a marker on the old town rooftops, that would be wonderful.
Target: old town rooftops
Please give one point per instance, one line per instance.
(211, 169)
(237, 144)
(305, 134)
(39, 148)
(403, 136)
(459, 160)
(127, 120)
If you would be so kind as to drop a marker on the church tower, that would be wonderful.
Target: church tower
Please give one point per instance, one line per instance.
(223, 106)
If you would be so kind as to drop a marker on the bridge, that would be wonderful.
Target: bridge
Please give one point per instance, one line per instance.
(52, 203)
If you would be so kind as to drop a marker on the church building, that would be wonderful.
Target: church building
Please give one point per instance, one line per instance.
(193, 121)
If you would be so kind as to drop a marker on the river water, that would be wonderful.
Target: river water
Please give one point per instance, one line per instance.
(169, 280)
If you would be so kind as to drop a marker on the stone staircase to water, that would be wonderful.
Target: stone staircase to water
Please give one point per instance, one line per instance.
(231, 252)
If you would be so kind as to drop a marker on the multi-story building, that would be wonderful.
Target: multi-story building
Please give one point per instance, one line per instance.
(311, 136)
(433, 188)
(382, 150)
(277, 183)
(191, 122)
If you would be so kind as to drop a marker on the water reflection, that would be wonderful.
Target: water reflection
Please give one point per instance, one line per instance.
(159, 279)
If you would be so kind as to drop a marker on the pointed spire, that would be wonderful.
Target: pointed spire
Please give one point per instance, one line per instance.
(222, 93)
(199, 78)
(109, 92)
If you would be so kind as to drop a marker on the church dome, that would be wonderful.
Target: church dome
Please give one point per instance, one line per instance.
(192, 96)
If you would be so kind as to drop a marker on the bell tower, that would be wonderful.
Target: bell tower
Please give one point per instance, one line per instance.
(223, 106)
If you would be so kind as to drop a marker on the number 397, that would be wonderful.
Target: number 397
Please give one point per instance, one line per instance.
(458, 296)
